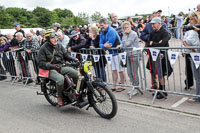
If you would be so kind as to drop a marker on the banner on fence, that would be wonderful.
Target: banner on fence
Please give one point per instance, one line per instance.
(196, 59)
(96, 58)
(173, 56)
(154, 53)
(123, 57)
(109, 58)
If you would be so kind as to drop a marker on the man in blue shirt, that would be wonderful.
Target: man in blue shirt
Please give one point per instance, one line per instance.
(109, 38)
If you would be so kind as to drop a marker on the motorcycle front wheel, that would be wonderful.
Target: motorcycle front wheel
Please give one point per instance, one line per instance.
(103, 101)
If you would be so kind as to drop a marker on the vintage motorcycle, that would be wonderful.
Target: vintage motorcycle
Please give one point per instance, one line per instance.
(89, 91)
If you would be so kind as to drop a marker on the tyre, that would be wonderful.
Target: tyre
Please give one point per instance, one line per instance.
(50, 93)
(104, 103)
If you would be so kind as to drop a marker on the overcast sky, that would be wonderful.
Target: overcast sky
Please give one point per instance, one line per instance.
(120, 7)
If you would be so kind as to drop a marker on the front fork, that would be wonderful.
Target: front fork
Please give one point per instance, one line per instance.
(91, 86)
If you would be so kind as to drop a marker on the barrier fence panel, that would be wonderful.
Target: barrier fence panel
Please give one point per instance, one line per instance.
(125, 68)
(19, 66)
(175, 67)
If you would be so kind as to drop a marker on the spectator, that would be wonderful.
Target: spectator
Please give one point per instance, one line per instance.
(63, 39)
(8, 60)
(13, 41)
(93, 42)
(159, 13)
(133, 27)
(18, 29)
(34, 34)
(24, 73)
(145, 34)
(191, 38)
(42, 38)
(180, 21)
(159, 38)
(76, 42)
(129, 42)
(198, 7)
(140, 25)
(109, 38)
(56, 27)
(115, 24)
(31, 46)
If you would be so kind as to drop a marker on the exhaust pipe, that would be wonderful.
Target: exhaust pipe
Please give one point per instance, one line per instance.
(83, 104)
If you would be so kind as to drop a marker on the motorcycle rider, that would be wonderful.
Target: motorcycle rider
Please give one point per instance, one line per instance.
(51, 56)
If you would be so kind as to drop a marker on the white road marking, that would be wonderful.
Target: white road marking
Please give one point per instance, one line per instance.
(179, 102)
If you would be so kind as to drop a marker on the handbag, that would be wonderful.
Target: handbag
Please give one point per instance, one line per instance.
(43, 72)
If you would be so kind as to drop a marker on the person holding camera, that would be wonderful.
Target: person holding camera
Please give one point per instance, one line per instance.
(191, 38)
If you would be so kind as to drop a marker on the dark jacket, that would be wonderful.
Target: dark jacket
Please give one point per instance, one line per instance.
(45, 55)
(148, 29)
(14, 42)
(157, 36)
(102, 61)
(118, 29)
(77, 44)
(22, 31)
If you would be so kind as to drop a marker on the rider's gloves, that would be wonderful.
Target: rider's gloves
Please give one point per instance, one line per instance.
(57, 67)
(75, 59)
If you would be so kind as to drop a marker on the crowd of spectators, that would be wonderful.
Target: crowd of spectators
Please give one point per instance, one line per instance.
(115, 37)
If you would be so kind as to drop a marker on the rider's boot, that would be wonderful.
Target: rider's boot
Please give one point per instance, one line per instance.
(60, 101)
(59, 89)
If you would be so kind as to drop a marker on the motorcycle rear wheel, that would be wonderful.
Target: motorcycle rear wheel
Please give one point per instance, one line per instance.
(105, 103)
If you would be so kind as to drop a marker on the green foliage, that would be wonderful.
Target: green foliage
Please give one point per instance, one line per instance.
(5, 19)
(96, 16)
(83, 16)
(40, 17)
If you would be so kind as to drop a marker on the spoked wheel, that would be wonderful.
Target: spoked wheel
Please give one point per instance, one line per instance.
(104, 103)
(50, 93)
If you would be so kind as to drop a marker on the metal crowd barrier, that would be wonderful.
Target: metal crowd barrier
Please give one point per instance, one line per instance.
(175, 83)
(23, 66)
(18, 67)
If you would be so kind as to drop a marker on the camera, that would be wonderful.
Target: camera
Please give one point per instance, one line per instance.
(190, 27)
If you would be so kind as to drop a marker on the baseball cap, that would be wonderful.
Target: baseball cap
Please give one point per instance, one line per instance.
(16, 24)
(73, 34)
(156, 20)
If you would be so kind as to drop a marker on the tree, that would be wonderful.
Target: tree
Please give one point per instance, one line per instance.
(96, 16)
(44, 16)
(39, 17)
(67, 21)
(83, 16)
(79, 21)
(5, 19)
(64, 13)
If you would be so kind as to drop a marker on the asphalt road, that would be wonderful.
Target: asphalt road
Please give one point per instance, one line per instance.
(22, 111)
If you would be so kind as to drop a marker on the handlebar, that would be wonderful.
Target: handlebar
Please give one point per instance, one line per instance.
(73, 64)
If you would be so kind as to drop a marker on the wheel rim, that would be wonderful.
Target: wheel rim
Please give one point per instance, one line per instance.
(102, 101)
(52, 93)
